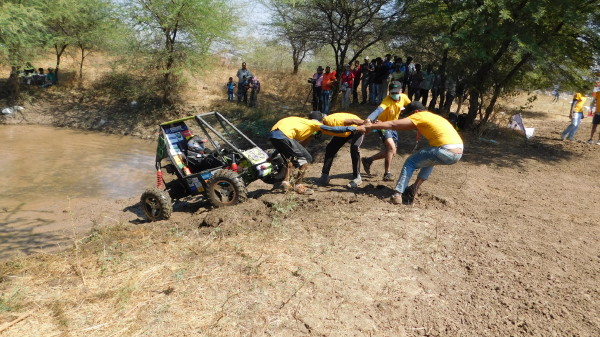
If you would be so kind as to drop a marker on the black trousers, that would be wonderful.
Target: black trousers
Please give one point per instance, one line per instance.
(336, 143)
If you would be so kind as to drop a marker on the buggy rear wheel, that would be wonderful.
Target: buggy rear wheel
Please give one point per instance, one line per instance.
(226, 188)
(156, 204)
(279, 169)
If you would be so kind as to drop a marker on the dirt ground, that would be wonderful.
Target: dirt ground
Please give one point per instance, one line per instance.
(504, 243)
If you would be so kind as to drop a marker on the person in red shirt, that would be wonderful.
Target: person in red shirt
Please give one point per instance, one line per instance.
(346, 86)
(327, 86)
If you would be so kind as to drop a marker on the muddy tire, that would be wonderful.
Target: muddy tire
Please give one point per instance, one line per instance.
(156, 204)
(279, 169)
(226, 188)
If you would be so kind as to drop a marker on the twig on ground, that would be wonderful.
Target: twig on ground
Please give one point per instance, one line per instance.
(17, 320)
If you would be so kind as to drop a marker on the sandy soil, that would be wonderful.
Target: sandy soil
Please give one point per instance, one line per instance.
(504, 243)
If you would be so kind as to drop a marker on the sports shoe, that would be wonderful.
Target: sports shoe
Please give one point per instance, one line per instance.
(366, 163)
(396, 199)
(409, 195)
(324, 180)
(563, 136)
(598, 143)
(302, 189)
(590, 141)
(354, 183)
(388, 177)
(285, 186)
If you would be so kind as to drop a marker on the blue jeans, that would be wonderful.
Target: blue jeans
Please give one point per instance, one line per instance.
(425, 159)
(377, 93)
(570, 131)
(326, 101)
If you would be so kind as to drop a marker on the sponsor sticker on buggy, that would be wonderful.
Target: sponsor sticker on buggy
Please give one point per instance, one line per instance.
(255, 155)
(264, 170)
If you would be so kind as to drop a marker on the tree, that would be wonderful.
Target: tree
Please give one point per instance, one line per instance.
(173, 31)
(283, 19)
(348, 26)
(493, 44)
(93, 28)
(19, 32)
(60, 19)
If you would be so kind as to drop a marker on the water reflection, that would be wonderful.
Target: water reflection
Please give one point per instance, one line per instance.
(42, 168)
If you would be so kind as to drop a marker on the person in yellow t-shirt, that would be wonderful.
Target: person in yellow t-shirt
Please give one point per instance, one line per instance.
(289, 136)
(446, 147)
(575, 114)
(596, 119)
(388, 110)
(336, 143)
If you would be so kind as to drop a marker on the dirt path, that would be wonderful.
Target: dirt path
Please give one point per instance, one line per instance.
(505, 243)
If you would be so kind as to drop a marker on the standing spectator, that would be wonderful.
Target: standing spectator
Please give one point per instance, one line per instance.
(555, 93)
(596, 119)
(575, 114)
(327, 85)
(435, 91)
(241, 73)
(397, 74)
(364, 69)
(414, 85)
(356, 71)
(388, 110)
(254, 87)
(230, 87)
(13, 86)
(381, 73)
(408, 69)
(389, 65)
(372, 74)
(346, 86)
(316, 81)
(427, 84)
(450, 94)
(243, 90)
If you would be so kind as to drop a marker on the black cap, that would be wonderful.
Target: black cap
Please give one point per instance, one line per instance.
(413, 107)
(316, 115)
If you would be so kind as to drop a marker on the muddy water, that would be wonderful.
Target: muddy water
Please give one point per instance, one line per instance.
(47, 174)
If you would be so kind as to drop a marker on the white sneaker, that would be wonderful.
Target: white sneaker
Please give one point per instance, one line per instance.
(598, 143)
(354, 183)
(590, 141)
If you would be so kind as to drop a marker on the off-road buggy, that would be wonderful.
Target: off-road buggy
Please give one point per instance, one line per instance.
(208, 157)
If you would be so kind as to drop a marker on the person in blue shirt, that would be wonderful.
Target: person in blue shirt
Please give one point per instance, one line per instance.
(230, 86)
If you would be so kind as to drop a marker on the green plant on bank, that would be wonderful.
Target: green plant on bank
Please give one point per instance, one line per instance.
(10, 302)
(281, 207)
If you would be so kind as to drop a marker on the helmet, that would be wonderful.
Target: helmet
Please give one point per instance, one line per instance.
(196, 144)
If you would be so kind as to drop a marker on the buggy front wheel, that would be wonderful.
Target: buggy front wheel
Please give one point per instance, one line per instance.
(156, 204)
(226, 188)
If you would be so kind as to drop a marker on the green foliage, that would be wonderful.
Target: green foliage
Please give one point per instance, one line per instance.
(20, 30)
(494, 46)
(175, 33)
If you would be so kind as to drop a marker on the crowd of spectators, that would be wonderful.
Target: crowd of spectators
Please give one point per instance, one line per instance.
(248, 87)
(368, 82)
(29, 75)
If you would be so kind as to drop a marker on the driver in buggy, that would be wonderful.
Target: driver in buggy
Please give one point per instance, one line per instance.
(199, 157)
